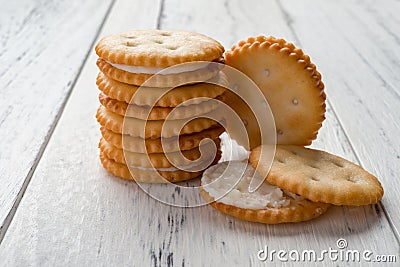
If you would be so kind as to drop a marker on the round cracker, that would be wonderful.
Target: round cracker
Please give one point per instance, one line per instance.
(289, 81)
(158, 48)
(319, 176)
(159, 160)
(159, 113)
(196, 93)
(148, 176)
(295, 212)
(153, 129)
(144, 176)
(151, 80)
(298, 210)
(139, 145)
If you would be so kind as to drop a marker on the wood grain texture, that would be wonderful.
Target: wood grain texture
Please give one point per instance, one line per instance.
(43, 45)
(91, 218)
(361, 64)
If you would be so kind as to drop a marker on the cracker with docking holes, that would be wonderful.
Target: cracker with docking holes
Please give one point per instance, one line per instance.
(159, 113)
(196, 93)
(290, 82)
(154, 129)
(226, 184)
(149, 175)
(319, 176)
(185, 159)
(135, 56)
(172, 144)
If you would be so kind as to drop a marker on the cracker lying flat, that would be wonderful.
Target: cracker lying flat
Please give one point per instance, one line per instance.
(184, 159)
(148, 51)
(152, 80)
(148, 176)
(138, 145)
(197, 93)
(153, 129)
(290, 83)
(157, 48)
(159, 113)
(319, 176)
(225, 187)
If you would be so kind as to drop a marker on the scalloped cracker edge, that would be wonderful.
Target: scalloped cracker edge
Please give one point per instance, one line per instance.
(159, 113)
(196, 93)
(150, 80)
(139, 145)
(158, 160)
(158, 48)
(296, 211)
(319, 176)
(298, 113)
(148, 176)
(152, 129)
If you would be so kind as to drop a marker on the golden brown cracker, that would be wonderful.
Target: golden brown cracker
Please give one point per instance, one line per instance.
(295, 209)
(145, 176)
(289, 81)
(139, 145)
(196, 93)
(153, 129)
(148, 176)
(151, 80)
(159, 113)
(160, 160)
(319, 176)
(249, 120)
(158, 48)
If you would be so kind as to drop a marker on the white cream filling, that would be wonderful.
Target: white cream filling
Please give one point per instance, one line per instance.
(181, 68)
(229, 182)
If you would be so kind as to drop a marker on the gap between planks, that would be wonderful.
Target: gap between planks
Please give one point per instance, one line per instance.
(10, 215)
(160, 14)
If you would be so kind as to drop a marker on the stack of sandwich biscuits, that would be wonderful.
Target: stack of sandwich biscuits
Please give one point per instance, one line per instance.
(159, 104)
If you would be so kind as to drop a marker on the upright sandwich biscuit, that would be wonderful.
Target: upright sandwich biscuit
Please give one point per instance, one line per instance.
(290, 83)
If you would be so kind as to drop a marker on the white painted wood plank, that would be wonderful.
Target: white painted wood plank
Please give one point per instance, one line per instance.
(361, 64)
(91, 218)
(42, 46)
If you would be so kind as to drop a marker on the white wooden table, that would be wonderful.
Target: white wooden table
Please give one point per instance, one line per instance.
(58, 207)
